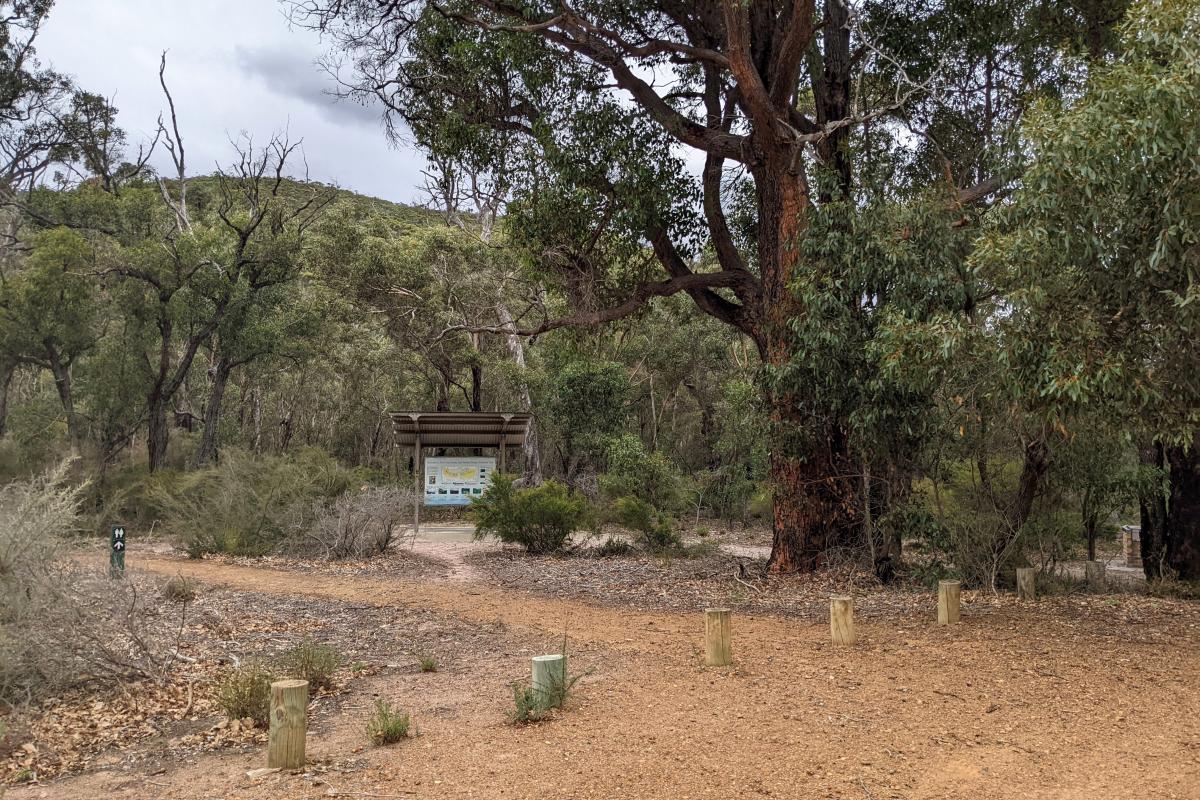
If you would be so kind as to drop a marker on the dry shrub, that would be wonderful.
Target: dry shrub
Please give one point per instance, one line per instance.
(356, 524)
(62, 622)
(245, 693)
(312, 662)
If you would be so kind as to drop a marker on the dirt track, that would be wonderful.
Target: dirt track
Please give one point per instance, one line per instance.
(1065, 699)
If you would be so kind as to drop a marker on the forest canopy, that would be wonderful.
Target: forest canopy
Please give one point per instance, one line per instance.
(893, 278)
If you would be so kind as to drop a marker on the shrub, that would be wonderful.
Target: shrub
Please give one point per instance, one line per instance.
(357, 524)
(61, 622)
(531, 705)
(540, 518)
(179, 590)
(312, 662)
(614, 547)
(245, 692)
(249, 506)
(655, 532)
(528, 705)
(429, 664)
(633, 472)
(387, 725)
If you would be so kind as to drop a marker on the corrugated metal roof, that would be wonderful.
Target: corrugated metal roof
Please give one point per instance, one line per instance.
(460, 428)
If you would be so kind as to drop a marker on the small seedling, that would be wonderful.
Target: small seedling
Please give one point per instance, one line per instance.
(387, 725)
(429, 664)
(531, 705)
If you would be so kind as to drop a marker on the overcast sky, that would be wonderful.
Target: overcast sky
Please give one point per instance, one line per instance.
(232, 66)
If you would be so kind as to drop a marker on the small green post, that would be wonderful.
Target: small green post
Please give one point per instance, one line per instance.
(116, 556)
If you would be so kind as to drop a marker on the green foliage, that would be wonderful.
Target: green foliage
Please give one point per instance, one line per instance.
(540, 518)
(245, 692)
(656, 533)
(387, 725)
(613, 547)
(428, 663)
(633, 472)
(588, 405)
(312, 662)
(528, 705)
(249, 506)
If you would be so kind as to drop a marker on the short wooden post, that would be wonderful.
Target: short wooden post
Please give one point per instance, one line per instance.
(1026, 589)
(948, 597)
(841, 620)
(1095, 575)
(718, 637)
(550, 678)
(289, 724)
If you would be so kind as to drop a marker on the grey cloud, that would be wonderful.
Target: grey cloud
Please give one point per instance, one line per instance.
(293, 73)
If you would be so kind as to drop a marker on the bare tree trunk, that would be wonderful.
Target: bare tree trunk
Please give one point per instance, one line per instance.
(158, 432)
(532, 474)
(62, 382)
(1153, 508)
(210, 440)
(6, 375)
(1183, 513)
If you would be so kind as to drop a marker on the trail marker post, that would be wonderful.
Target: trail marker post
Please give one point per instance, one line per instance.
(116, 552)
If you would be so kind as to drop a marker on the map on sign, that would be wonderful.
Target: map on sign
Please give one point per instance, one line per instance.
(451, 481)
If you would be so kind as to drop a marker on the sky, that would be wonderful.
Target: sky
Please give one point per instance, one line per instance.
(233, 66)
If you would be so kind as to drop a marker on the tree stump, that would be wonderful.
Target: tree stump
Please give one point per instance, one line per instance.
(1096, 579)
(841, 620)
(550, 678)
(289, 724)
(718, 637)
(948, 599)
(1026, 589)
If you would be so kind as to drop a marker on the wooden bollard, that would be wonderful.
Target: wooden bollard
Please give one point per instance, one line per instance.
(289, 724)
(1026, 589)
(1094, 570)
(841, 620)
(550, 678)
(948, 598)
(718, 637)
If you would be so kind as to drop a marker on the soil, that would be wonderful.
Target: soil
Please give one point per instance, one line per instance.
(1076, 696)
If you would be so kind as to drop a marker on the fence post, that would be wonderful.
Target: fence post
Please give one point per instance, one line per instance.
(289, 724)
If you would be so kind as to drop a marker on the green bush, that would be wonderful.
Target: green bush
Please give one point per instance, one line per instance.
(387, 725)
(312, 662)
(633, 472)
(540, 519)
(249, 506)
(245, 691)
(429, 664)
(614, 547)
(655, 532)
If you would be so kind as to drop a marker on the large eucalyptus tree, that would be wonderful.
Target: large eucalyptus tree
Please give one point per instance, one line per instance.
(595, 110)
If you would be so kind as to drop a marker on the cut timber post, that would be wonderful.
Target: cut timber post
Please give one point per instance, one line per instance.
(841, 620)
(289, 724)
(718, 637)
(550, 678)
(1095, 575)
(1025, 586)
(948, 597)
